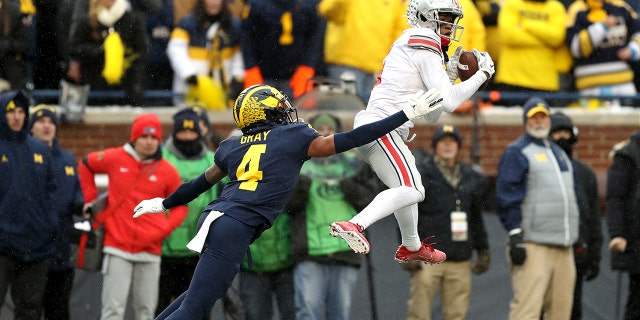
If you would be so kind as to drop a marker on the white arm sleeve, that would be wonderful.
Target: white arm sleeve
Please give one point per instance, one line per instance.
(433, 75)
(178, 54)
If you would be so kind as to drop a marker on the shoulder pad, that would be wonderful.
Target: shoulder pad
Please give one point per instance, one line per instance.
(423, 42)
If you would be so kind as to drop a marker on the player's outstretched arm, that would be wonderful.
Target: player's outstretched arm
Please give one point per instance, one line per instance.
(183, 195)
(421, 104)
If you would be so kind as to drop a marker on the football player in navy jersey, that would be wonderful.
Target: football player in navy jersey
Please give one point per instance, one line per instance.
(263, 167)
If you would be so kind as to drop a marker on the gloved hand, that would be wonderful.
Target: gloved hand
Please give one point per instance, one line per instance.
(485, 63)
(192, 80)
(452, 65)
(423, 104)
(300, 80)
(517, 251)
(481, 265)
(592, 271)
(412, 266)
(149, 206)
(252, 76)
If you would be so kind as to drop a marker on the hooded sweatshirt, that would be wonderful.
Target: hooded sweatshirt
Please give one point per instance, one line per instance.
(28, 216)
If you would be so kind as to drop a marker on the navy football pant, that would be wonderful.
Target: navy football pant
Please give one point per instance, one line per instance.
(227, 244)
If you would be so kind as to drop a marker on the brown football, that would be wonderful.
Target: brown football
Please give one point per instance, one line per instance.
(468, 66)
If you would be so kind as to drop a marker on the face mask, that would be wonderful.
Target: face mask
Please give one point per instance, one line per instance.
(565, 145)
(189, 148)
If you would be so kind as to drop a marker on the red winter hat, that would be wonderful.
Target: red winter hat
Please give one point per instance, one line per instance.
(146, 124)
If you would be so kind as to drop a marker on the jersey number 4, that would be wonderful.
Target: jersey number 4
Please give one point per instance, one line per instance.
(249, 169)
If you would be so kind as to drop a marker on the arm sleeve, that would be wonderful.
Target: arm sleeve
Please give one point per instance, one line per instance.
(187, 192)
(369, 132)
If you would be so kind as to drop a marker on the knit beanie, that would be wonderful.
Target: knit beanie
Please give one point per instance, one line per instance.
(146, 124)
(40, 111)
(325, 119)
(186, 119)
(533, 106)
(445, 130)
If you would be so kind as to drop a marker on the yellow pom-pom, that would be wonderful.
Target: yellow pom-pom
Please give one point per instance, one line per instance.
(113, 58)
(209, 93)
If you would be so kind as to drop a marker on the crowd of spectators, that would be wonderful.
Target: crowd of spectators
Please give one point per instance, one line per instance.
(185, 48)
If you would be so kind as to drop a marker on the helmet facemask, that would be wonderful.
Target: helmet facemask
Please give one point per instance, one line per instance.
(430, 14)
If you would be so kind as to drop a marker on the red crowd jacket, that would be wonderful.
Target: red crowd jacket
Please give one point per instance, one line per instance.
(133, 181)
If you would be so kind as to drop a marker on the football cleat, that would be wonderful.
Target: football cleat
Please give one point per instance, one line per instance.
(426, 253)
(352, 234)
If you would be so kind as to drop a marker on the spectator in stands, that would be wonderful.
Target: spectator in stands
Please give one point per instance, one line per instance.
(453, 210)
(536, 202)
(333, 188)
(269, 274)
(205, 55)
(587, 249)
(132, 248)
(14, 46)
(489, 10)
(43, 123)
(531, 34)
(292, 30)
(603, 39)
(109, 48)
(356, 42)
(159, 27)
(28, 214)
(190, 156)
(623, 220)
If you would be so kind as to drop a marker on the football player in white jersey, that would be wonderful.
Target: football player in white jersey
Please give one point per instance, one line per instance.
(415, 62)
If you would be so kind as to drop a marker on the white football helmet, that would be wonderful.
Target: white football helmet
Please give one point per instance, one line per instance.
(425, 14)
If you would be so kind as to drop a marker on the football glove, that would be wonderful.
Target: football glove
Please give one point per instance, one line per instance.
(485, 63)
(452, 65)
(424, 104)
(149, 206)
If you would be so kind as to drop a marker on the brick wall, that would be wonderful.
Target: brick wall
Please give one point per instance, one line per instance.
(598, 132)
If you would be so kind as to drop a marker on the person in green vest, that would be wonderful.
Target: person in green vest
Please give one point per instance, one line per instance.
(329, 189)
(188, 153)
(267, 273)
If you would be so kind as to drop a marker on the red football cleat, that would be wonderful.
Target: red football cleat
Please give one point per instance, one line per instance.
(352, 234)
(426, 254)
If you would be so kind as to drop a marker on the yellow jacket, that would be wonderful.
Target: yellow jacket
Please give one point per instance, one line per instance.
(360, 32)
(474, 34)
(531, 33)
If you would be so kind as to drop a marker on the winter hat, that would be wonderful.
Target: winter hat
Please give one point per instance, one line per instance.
(533, 106)
(186, 119)
(325, 119)
(146, 124)
(40, 111)
(202, 113)
(445, 130)
(560, 121)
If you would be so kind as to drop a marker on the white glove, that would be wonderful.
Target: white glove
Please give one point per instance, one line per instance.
(149, 206)
(485, 63)
(452, 65)
(423, 104)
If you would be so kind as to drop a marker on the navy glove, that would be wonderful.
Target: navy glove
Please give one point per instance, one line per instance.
(517, 251)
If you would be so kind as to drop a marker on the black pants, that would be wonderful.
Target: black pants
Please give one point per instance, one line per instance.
(632, 309)
(57, 294)
(27, 281)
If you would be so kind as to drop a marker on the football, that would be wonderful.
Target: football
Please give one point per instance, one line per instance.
(468, 66)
